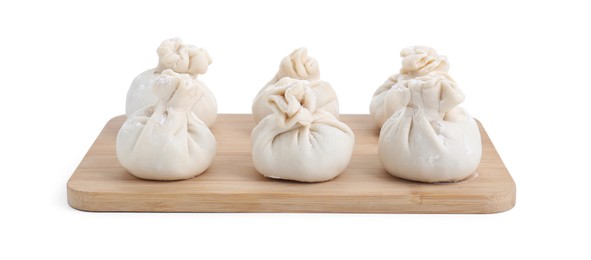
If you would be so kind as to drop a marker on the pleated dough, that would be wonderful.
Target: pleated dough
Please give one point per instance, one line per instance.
(167, 141)
(417, 61)
(180, 58)
(429, 138)
(297, 141)
(297, 65)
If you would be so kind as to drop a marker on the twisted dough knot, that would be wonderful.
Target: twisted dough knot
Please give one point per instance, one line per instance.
(436, 92)
(299, 65)
(421, 60)
(292, 101)
(182, 58)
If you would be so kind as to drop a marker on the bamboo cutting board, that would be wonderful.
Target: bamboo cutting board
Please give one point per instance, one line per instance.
(232, 184)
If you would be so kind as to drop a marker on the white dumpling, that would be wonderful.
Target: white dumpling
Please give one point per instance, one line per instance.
(297, 65)
(417, 61)
(181, 58)
(167, 141)
(297, 141)
(429, 138)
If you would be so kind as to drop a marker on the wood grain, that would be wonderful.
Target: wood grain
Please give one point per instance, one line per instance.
(232, 184)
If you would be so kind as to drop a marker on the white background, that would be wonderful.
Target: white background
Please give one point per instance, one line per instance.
(524, 67)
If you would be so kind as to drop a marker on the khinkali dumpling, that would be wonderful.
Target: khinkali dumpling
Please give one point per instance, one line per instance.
(180, 58)
(297, 141)
(167, 141)
(429, 138)
(417, 61)
(297, 65)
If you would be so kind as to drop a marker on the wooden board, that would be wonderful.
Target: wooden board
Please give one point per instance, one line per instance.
(232, 184)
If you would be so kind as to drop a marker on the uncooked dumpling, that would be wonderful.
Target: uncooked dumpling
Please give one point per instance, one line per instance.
(298, 65)
(166, 141)
(417, 61)
(429, 138)
(297, 141)
(181, 58)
